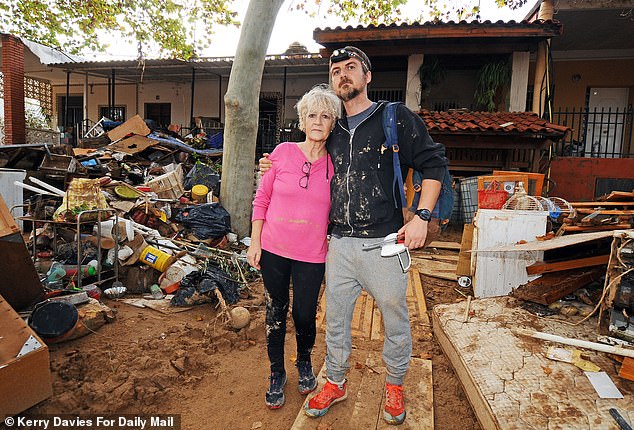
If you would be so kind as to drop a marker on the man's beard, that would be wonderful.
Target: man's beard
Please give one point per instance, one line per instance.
(349, 93)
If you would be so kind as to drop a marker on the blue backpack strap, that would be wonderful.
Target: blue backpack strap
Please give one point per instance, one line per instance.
(391, 137)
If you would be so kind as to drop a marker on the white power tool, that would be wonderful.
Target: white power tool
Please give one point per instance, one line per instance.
(391, 246)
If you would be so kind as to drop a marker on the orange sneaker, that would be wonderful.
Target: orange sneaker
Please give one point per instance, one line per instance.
(394, 412)
(325, 398)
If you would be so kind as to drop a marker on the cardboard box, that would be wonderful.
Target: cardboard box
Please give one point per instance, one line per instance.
(134, 125)
(25, 380)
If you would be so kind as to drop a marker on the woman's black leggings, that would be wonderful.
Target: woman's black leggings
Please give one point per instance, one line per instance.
(307, 278)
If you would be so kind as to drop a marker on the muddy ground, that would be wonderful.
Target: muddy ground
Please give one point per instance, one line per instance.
(187, 363)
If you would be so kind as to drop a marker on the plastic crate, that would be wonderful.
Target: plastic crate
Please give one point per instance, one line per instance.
(468, 198)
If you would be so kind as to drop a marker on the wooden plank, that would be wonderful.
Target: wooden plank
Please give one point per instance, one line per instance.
(356, 314)
(367, 410)
(303, 421)
(606, 211)
(464, 257)
(417, 286)
(377, 324)
(578, 228)
(444, 245)
(435, 257)
(479, 404)
(418, 396)
(367, 317)
(550, 287)
(619, 195)
(557, 266)
(438, 269)
(546, 245)
(600, 204)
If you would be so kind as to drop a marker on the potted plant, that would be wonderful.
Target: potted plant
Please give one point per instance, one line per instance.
(494, 80)
(430, 73)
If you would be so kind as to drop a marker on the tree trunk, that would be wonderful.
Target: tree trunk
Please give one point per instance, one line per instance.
(241, 113)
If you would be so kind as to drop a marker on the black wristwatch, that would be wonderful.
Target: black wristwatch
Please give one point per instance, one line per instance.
(423, 214)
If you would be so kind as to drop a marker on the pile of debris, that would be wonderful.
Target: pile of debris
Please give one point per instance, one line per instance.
(131, 211)
(610, 212)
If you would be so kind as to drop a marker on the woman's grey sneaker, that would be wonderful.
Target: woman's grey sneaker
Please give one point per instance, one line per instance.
(307, 381)
(274, 397)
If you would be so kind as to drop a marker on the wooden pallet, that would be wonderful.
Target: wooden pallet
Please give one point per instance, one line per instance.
(363, 409)
(366, 319)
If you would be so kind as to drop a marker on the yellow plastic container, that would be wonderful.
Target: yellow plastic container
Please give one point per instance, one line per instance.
(156, 258)
(199, 193)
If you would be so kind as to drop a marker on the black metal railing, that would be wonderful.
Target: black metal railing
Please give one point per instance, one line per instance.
(599, 133)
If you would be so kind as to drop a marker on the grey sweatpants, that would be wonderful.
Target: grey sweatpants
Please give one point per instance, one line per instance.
(349, 269)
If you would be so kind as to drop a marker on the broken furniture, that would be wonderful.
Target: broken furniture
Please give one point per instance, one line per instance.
(611, 212)
(19, 281)
(557, 279)
(25, 376)
(101, 215)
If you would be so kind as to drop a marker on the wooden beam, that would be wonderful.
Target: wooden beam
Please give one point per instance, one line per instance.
(620, 195)
(557, 266)
(551, 287)
(367, 411)
(443, 32)
(417, 286)
(438, 269)
(303, 421)
(600, 204)
(436, 257)
(445, 245)
(377, 324)
(463, 267)
(606, 211)
(578, 228)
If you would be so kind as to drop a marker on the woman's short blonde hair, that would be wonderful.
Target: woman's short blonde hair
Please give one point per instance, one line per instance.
(319, 98)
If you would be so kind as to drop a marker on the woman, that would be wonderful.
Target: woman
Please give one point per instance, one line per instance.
(288, 238)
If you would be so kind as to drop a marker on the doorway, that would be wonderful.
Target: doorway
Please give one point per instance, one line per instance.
(269, 119)
(160, 113)
(605, 128)
(75, 110)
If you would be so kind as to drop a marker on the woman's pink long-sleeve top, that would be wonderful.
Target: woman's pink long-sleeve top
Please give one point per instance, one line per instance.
(295, 218)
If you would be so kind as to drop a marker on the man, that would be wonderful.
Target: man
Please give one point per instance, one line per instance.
(362, 211)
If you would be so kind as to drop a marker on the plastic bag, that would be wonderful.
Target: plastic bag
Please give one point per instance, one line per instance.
(198, 287)
(202, 174)
(207, 221)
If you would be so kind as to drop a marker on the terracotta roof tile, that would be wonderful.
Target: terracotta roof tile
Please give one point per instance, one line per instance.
(502, 123)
